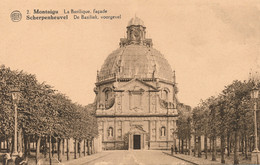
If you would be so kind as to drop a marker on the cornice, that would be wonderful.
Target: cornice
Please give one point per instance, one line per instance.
(135, 115)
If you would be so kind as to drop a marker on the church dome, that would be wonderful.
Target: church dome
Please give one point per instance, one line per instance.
(136, 58)
(137, 61)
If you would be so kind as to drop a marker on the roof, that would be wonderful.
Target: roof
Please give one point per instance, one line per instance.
(136, 21)
(137, 61)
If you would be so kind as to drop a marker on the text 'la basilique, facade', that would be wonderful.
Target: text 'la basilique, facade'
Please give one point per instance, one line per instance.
(136, 95)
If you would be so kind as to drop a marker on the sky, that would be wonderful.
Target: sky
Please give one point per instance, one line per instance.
(208, 43)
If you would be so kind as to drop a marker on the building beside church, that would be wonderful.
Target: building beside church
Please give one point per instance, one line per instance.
(136, 95)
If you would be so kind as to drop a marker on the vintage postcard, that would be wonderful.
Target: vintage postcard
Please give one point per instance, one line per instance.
(129, 82)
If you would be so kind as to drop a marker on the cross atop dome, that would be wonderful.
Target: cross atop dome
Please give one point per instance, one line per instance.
(136, 34)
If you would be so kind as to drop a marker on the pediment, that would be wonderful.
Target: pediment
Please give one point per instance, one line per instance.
(136, 85)
(137, 129)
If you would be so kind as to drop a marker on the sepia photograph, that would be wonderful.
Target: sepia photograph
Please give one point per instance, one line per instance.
(129, 82)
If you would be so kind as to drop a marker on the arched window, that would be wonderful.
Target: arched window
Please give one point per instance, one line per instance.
(163, 131)
(107, 94)
(110, 132)
(165, 95)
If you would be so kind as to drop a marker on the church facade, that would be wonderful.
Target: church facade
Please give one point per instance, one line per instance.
(136, 95)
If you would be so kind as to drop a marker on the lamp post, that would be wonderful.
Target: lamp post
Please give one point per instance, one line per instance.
(15, 97)
(174, 140)
(255, 152)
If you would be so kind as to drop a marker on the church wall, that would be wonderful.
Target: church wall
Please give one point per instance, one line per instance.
(149, 104)
(151, 125)
(129, 102)
(125, 102)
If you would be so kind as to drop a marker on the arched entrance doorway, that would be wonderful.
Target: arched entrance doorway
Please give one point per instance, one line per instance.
(137, 138)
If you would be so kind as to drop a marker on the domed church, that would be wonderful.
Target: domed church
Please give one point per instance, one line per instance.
(136, 95)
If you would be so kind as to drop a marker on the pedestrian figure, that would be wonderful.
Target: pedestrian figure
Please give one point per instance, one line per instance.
(9, 160)
(20, 160)
(6, 158)
(176, 150)
(172, 149)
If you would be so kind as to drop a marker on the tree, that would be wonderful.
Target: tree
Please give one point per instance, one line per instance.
(184, 125)
(237, 96)
(42, 112)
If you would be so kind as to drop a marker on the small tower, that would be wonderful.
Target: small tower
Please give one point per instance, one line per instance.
(135, 31)
(135, 34)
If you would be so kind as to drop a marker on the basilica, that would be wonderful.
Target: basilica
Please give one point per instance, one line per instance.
(136, 95)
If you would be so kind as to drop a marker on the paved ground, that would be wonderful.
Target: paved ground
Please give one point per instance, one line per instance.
(194, 160)
(148, 157)
(131, 158)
